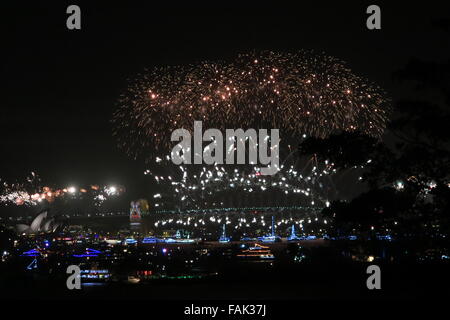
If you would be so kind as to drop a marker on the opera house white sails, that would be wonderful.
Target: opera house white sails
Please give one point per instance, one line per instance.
(42, 223)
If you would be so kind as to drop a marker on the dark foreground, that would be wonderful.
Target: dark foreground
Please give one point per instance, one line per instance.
(280, 283)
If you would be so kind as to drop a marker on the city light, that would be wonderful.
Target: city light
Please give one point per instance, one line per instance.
(72, 190)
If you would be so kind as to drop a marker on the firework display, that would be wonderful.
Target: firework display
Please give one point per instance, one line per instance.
(32, 192)
(305, 182)
(298, 93)
(248, 221)
(262, 156)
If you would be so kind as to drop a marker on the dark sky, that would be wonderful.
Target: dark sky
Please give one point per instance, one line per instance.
(60, 87)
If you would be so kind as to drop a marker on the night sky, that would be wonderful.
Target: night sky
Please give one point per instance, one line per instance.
(60, 87)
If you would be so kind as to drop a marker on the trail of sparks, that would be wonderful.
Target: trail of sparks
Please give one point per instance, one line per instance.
(31, 192)
(298, 93)
(309, 184)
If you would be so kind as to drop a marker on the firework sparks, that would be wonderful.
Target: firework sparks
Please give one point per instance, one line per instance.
(307, 183)
(298, 93)
(31, 192)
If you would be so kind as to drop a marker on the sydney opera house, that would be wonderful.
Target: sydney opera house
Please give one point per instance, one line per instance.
(42, 223)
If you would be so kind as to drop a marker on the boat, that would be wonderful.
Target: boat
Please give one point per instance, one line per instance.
(148, 240)
(179, 239)
(113, 241)
(223, 238)
(133, 279)
(249, 239)
(129, 241)
(272, 237)
(293, 236)
(256, 252)
(92, 274)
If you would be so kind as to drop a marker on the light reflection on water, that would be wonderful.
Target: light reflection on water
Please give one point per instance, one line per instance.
(93, 284)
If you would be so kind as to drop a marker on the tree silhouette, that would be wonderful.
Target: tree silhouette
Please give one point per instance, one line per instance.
(409, 179)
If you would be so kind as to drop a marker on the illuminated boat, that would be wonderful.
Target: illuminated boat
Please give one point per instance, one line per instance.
(130, 241)
(88, 253)
(133, 279)
(307, 237)
(258, 252)
(95, 275)
(249, 239)
(269, 239)
(179, 239)
(293, 236)
(272, 237)
(148, 240)
(172, 240)
(113, 241)
(223, 238)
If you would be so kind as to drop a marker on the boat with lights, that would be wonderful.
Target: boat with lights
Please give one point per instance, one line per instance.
(272, 237)
(223, 238)
(256, 252)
